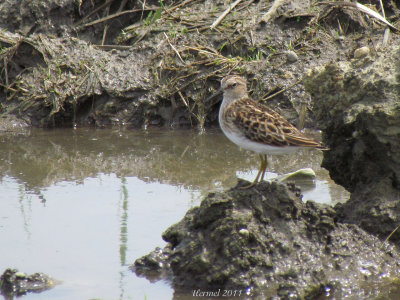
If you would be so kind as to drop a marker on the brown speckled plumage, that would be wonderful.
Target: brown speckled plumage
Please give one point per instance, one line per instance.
(256, 127)
(263, 125)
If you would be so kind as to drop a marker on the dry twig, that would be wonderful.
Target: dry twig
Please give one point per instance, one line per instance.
(105, 30)
(383, 10)
(390, 235)
(272, 11)
(265, 98)
(361, 8)
(118, 14)
(105, 4)
(178, 5)
(223, 15)
(173, 48)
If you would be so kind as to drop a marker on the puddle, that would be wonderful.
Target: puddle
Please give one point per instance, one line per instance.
(81, 205)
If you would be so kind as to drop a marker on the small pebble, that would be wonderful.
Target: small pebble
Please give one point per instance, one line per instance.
(291, 57)
(361, 52)
(20, 275)
(244, 232)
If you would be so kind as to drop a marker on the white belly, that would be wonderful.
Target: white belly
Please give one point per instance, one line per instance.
(258, 147)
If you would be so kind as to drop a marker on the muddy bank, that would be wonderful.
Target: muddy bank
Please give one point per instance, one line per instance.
(14, 283)
(71, 63)
(267, 243)
(357, 104)
(80, 63)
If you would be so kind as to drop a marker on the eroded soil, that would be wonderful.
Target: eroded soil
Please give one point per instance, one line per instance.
(98, 63)
(153, 63)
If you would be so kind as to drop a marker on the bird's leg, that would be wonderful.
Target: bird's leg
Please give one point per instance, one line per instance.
(264, 163)
(261, 170)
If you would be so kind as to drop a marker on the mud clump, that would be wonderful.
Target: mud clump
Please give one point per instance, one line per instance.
(265, 241)
(12, 124)
(357, 105)
(41, 16)
(14, 283)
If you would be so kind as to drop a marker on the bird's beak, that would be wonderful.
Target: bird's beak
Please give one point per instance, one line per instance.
(213, 96)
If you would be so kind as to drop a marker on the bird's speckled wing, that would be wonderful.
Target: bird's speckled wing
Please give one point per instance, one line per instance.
(263, 125)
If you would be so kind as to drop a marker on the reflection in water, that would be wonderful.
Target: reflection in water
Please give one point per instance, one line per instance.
(123, 233)
(25, 215)
(180, 158)
(72, 199)
(124, 221)
(175, 157)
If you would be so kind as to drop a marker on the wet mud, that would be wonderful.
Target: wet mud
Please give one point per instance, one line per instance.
(267, 243)
(14, 283)
(94, 63)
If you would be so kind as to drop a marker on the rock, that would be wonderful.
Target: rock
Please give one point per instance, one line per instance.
(361, 52)
(266, 241)
(14, 283)
(152, 265)
(291, 57)
(357, 105)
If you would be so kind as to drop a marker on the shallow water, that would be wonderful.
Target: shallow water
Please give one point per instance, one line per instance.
(81, 205)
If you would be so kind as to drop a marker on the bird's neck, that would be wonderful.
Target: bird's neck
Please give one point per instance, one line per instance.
(232, 97)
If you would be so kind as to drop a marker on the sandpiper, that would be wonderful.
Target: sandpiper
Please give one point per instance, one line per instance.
(254, 126)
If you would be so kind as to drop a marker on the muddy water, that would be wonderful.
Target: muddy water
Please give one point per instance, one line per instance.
(81, 205)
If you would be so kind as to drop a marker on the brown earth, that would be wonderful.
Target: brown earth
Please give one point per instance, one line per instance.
(98, 63)
(125, 63)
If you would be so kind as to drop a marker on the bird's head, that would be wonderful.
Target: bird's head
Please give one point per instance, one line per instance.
(234, 87)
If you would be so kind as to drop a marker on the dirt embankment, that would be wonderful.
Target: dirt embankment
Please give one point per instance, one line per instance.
(67, 62)
(357, 105)
(98, 63)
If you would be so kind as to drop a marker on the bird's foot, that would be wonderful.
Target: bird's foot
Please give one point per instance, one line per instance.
(248, 186)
